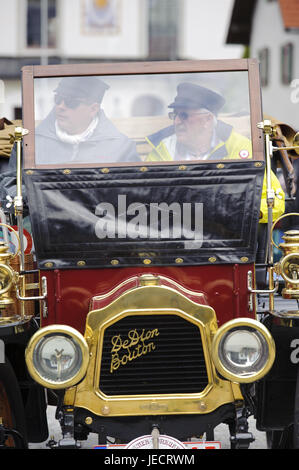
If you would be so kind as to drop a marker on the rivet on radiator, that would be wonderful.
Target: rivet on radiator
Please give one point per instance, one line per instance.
(202, 406)
(105, 410)
(88, 420)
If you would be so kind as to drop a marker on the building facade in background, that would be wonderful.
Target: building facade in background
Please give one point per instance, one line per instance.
(34, 32)
(271, 30)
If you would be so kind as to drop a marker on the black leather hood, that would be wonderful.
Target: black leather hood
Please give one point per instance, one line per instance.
(165, 214)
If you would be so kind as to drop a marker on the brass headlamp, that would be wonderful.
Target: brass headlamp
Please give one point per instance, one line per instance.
(288, 266)
(12, 281)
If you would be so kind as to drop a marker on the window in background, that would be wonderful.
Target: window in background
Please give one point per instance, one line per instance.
(39, 11)
(263, 55)
(17, 112)
(163, 29)
(287, 52)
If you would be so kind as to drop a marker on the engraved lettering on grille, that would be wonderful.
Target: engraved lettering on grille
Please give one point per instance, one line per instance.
(134, 346)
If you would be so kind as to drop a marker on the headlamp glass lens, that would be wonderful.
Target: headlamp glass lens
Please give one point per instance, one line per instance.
(57, 358)
(243, 351)
(242, 348)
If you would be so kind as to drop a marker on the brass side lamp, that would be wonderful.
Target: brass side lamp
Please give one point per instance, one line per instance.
(8, 280)
(287, 267)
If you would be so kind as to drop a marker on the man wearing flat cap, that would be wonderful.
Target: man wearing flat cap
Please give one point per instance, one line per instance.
(196, 133)
(77, 129)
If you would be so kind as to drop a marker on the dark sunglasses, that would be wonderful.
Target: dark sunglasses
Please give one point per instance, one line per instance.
(71, 103)
(182, 115)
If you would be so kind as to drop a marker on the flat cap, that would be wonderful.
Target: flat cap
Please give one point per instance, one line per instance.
(194, 96)
(82, 87)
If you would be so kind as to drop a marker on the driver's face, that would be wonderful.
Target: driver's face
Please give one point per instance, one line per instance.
(73, 115)
(192, 126)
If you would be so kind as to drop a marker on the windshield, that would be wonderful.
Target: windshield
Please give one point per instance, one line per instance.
(143, 163)
(141, 118)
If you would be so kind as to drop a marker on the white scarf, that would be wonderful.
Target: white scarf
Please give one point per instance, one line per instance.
(75, 139)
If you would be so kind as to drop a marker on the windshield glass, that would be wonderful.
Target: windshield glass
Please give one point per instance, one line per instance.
(127, 162)
(120, 119)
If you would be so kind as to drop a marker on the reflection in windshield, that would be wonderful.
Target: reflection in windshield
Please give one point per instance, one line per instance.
(190, 116)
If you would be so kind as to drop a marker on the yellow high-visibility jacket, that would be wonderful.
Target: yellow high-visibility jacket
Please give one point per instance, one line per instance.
(231, 146)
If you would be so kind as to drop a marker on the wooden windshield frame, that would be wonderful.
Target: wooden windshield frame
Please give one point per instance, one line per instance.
(29, 73)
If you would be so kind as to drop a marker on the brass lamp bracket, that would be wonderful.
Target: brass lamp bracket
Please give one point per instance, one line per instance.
(18, 135)
(260, 291)
(18, 200)
(266, 126)
(38, 297)
(269, 129)
(292, 147)
(295, 145)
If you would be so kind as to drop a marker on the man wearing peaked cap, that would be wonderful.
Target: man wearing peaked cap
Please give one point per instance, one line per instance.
(198, 134)
(77, 129)
(193, 96)
(82, 87)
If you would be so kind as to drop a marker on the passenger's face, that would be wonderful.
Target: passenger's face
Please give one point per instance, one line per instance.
(193, 127)
(73, 115)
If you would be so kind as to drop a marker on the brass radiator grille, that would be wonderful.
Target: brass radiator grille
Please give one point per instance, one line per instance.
(152, 354)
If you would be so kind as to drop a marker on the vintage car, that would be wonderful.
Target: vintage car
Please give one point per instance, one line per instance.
(142, 201)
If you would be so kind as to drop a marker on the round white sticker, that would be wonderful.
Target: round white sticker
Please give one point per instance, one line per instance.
(244, 153)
